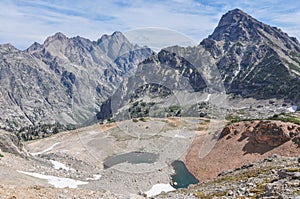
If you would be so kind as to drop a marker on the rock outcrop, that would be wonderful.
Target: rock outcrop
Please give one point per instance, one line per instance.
(62, 82)
(253, 59)
(10, 143)
(267, 132)
(273, 177)
(242, 143)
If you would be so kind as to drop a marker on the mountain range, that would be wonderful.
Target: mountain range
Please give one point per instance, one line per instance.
(70, 82)
(61, 82)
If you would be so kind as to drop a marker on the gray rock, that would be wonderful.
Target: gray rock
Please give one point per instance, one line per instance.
(62, 82)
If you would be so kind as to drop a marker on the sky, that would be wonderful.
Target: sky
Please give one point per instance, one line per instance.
(23, 22)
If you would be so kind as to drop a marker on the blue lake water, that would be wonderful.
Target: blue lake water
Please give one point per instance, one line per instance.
(131, 157)
(182, 176)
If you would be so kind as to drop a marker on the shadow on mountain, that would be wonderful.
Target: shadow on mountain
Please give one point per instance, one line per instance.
(252, 147)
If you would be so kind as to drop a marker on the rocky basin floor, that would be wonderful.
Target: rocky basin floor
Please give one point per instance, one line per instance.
(77, 157)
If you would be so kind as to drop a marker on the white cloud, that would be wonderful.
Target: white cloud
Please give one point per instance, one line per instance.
(25, 21)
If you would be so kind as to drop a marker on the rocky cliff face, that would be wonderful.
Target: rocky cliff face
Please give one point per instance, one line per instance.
(63, 81)
(66, 80)
(242, 57)
(163, 85)
(10, 143)
(252, 59)
(255, 59)
(270, 133)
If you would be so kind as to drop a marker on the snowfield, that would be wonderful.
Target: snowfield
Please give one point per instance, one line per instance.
(57, 182)
(158, 188)
(58, 165)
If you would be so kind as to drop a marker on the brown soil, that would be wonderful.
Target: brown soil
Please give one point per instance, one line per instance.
(235, 149)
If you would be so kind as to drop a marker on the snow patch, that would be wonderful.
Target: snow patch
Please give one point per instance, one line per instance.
(292, 109)
(58, 165)
(46, 150)
(207, 98)
(57, 182)
(95, 177)
(179, 136)
(158, 188)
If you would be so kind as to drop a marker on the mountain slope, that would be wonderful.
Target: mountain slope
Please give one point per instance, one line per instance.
(63, 81)
(255, 59)
(242, 57)
(68, 79)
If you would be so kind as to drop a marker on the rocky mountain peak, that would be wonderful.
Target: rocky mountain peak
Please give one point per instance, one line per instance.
(116, 36)
(235, 17)
(114, 45)
(34, 47)
(7, 48)
(236, 25)
(60, 37)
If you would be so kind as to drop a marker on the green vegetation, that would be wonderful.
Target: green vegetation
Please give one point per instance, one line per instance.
(202, 195)
(174, 110)
(235, 119)
(1, 156)
(42, 131)
(110, 120)
(285, 118)
(245, 175)
(36, 187)
(294, 169)
(294, 67)
(140, 109)
(142, 119)
(294, 54)
(135, 120)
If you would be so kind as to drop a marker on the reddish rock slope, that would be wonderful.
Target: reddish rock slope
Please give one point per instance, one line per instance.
(242, 143)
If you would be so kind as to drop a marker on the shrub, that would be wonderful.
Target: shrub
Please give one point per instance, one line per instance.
(142, 119)
(135, 120)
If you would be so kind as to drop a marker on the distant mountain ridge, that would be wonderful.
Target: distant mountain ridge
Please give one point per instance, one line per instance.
(63, 81)
(253, 59)
(242, 57)
(74, 81)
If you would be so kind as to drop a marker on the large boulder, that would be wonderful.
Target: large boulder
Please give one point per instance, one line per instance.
(10, 143)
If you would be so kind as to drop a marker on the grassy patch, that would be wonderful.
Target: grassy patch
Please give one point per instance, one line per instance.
(202, 128)
(142, 119)
(245, 175)
(135, 120)
(235, 119)
(1, 156)
(293, 169)
(294, 54)
(285, 118)
(214, 194)
(260, 188)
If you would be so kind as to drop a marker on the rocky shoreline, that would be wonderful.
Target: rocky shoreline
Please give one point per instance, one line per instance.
(273, 177)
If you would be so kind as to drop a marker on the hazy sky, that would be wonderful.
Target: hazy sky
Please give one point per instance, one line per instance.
(24, 21)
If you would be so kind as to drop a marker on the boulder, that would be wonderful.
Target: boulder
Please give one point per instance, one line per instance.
(10, 143)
